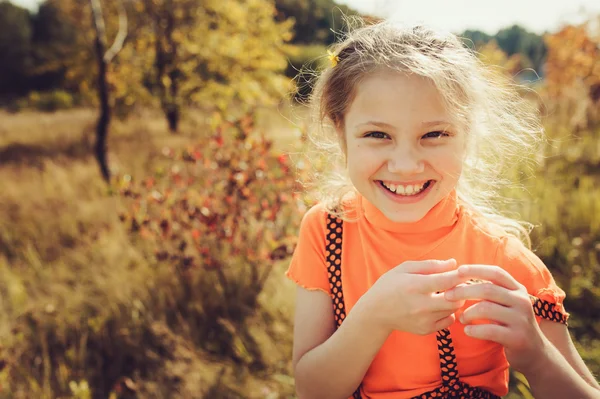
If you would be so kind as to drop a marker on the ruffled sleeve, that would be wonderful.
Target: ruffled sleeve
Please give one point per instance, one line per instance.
(547, 297)
(308, 267)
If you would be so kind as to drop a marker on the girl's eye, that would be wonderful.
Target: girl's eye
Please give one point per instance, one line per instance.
(435, 135)
(377, 135)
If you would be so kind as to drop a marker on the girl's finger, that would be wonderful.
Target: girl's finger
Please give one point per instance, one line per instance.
(490, 311)
(427, 266)
(495, 274)
(482, 291)
(439, 282)
(445, 322)
(442, 314)
(438, 302)
(490, 332)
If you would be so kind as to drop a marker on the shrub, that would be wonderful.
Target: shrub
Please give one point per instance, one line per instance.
(50, 101)
(218, 216)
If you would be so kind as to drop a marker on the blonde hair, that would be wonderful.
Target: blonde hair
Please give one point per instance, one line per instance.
(503, 127)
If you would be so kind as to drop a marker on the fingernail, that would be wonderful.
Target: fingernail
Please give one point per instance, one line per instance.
(468, 330)
(450, 294)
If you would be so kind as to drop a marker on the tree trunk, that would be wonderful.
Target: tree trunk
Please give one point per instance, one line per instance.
(165, 64)
(104, 59)
(104, 118)
(173, 118)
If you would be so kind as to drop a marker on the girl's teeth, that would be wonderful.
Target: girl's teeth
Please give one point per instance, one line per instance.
(408, 190)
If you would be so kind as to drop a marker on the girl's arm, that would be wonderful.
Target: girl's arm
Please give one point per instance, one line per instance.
(544, 353)
(327, 364)
(561, 373)
(330, 364)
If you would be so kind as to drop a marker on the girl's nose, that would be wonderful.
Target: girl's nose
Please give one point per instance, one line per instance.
(405, 160)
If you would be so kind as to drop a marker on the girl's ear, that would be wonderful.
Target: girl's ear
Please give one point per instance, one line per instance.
(339, 131)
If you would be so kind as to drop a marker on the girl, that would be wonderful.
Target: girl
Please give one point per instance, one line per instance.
(433, 293)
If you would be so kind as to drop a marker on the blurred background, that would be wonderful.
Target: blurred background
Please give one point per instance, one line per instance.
(150, 152)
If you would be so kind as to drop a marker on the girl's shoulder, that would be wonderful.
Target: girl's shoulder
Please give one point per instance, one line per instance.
(345, 209)
(482, 224)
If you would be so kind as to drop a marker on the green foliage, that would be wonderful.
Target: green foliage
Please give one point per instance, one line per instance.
(225, 52)
(15, 45)
(49, 101)
(514, 40)
(517, 40)
(37, 49)
(475, 38)
(563, 202)
(303, 67)
(316, 21)
(54, 46)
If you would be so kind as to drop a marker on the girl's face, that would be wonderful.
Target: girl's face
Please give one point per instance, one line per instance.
(404, 150)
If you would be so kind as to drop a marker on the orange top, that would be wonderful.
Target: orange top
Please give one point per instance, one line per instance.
(408, 365)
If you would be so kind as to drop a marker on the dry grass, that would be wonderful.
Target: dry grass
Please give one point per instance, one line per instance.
(68, 267)
(72, 279)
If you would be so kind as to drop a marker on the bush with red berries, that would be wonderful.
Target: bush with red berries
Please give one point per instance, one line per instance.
(217, 216)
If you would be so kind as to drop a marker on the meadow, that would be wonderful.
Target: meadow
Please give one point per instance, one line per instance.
(88, 309)
(76, 285)
(167, 281)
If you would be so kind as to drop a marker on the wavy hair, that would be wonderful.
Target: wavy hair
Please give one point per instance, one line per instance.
(502, 126)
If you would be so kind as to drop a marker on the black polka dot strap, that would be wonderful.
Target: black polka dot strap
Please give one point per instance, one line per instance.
(544, 309)
(548, 310)
(333, 259)
(452, 386)
(333, 256)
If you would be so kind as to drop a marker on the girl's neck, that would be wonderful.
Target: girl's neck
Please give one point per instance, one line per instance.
(442, 216)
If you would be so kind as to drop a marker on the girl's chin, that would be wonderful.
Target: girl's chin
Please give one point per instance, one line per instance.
(412, 216)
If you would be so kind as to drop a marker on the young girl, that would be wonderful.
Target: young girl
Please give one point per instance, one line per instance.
(410, 284)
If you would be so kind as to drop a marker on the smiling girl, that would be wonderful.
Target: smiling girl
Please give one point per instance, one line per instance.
(410, 283)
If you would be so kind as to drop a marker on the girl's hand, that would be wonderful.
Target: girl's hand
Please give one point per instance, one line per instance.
(410, 297)
(506, 303)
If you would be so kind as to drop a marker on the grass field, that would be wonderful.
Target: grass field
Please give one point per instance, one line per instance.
(81, 304)
(68, 264)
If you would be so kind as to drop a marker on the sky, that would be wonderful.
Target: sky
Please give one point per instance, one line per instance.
(489, 16)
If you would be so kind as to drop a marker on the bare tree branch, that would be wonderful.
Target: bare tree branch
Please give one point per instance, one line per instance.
(121, 34)
(99, 20)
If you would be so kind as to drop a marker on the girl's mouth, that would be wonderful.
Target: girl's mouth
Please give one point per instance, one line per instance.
(406, 193)
(408, 189)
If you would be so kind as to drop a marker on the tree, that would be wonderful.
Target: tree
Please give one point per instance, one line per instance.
(513, 40)
(573, 56)
(226, 54)
(316, 21)
(104, 58)
(573, 73)
(213, 54)
(15, 49)
(475, 38)
(492, 54)
(53, 48)
(516, 39)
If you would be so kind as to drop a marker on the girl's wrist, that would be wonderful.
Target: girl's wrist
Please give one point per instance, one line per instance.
(370, 312)
(538, 361)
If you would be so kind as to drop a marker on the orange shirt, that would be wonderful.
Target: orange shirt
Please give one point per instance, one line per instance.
(408, 365)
